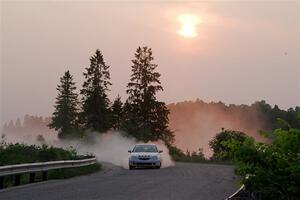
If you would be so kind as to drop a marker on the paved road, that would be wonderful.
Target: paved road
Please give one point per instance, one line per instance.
(183, 181)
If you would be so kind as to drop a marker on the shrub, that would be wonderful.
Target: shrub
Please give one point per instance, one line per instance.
(274, 168)
(178, 155)
(219, 144)
(22, 153)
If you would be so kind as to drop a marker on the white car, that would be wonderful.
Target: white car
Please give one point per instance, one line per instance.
(145, 155)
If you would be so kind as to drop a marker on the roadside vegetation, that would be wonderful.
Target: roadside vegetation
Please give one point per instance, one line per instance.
(21, 153)
(178, 155)
(220, 151)
(272, 169)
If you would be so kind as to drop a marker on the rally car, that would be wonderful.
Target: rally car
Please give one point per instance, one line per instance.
(145, 155)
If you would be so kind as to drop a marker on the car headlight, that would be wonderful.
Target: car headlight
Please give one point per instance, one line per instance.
(154, 157)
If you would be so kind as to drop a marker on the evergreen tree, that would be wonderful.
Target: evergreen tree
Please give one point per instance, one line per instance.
(5, 128)
(117, 113)
(146, 117)
(11, 126)
(64, 118)
(96, 114)
(26, 121)
(18, 125)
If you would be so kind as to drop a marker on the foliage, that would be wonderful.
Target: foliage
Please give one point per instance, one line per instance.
(175, 153)
(274, 168)
(40, 138)
(271, 115)
(220, 144)
(146, 118)
(29, 125)
(22, 153)
(65, 117)
(178, 155)
(96, 114)
(117, 113)
(257, 116)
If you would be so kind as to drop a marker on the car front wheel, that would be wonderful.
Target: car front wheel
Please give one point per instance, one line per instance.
(158, 167)
(131, 167)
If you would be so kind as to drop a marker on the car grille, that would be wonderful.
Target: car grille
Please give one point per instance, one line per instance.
(144, 158)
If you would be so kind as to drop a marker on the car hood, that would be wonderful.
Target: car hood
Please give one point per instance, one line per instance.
(144, 154)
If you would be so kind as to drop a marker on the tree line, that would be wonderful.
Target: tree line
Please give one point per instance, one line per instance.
(29, 125)
(141, 115)
(247, 114)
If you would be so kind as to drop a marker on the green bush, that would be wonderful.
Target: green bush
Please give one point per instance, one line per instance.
(273, 169)
(178, 155)
(21, 153)
(219, 144)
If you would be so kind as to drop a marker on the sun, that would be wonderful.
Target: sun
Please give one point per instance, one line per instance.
(189, 24)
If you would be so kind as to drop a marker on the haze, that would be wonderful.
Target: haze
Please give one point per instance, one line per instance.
(243, 51)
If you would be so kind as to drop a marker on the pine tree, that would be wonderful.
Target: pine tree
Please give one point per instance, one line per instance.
(5, 128)
(117, 113)
(96, 114)
(65, 117)
(11, 126)
(26, 121)
(146, 117)
(18, 125)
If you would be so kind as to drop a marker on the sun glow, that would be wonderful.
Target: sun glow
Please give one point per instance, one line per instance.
(188, 25)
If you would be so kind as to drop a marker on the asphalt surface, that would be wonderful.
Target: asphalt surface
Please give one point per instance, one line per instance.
(182, 181)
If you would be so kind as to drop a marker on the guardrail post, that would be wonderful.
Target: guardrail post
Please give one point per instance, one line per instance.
(1, 182)
(17, 179)
(31, 177)
(45, 175)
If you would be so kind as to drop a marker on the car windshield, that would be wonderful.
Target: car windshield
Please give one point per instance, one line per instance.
(145, 148)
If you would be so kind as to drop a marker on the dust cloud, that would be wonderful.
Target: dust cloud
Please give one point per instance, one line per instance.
(111, 147)
(195, 123)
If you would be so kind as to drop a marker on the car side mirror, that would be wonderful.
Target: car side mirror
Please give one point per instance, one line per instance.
(160, 151)
(129, 151)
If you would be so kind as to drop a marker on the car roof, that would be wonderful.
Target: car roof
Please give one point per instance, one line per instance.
(145, 144)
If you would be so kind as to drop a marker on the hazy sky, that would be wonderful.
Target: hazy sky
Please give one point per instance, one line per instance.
(243, 51)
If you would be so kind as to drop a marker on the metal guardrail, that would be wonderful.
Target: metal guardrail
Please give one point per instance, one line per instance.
(235, 194)
(44, 167)
(244, 194)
